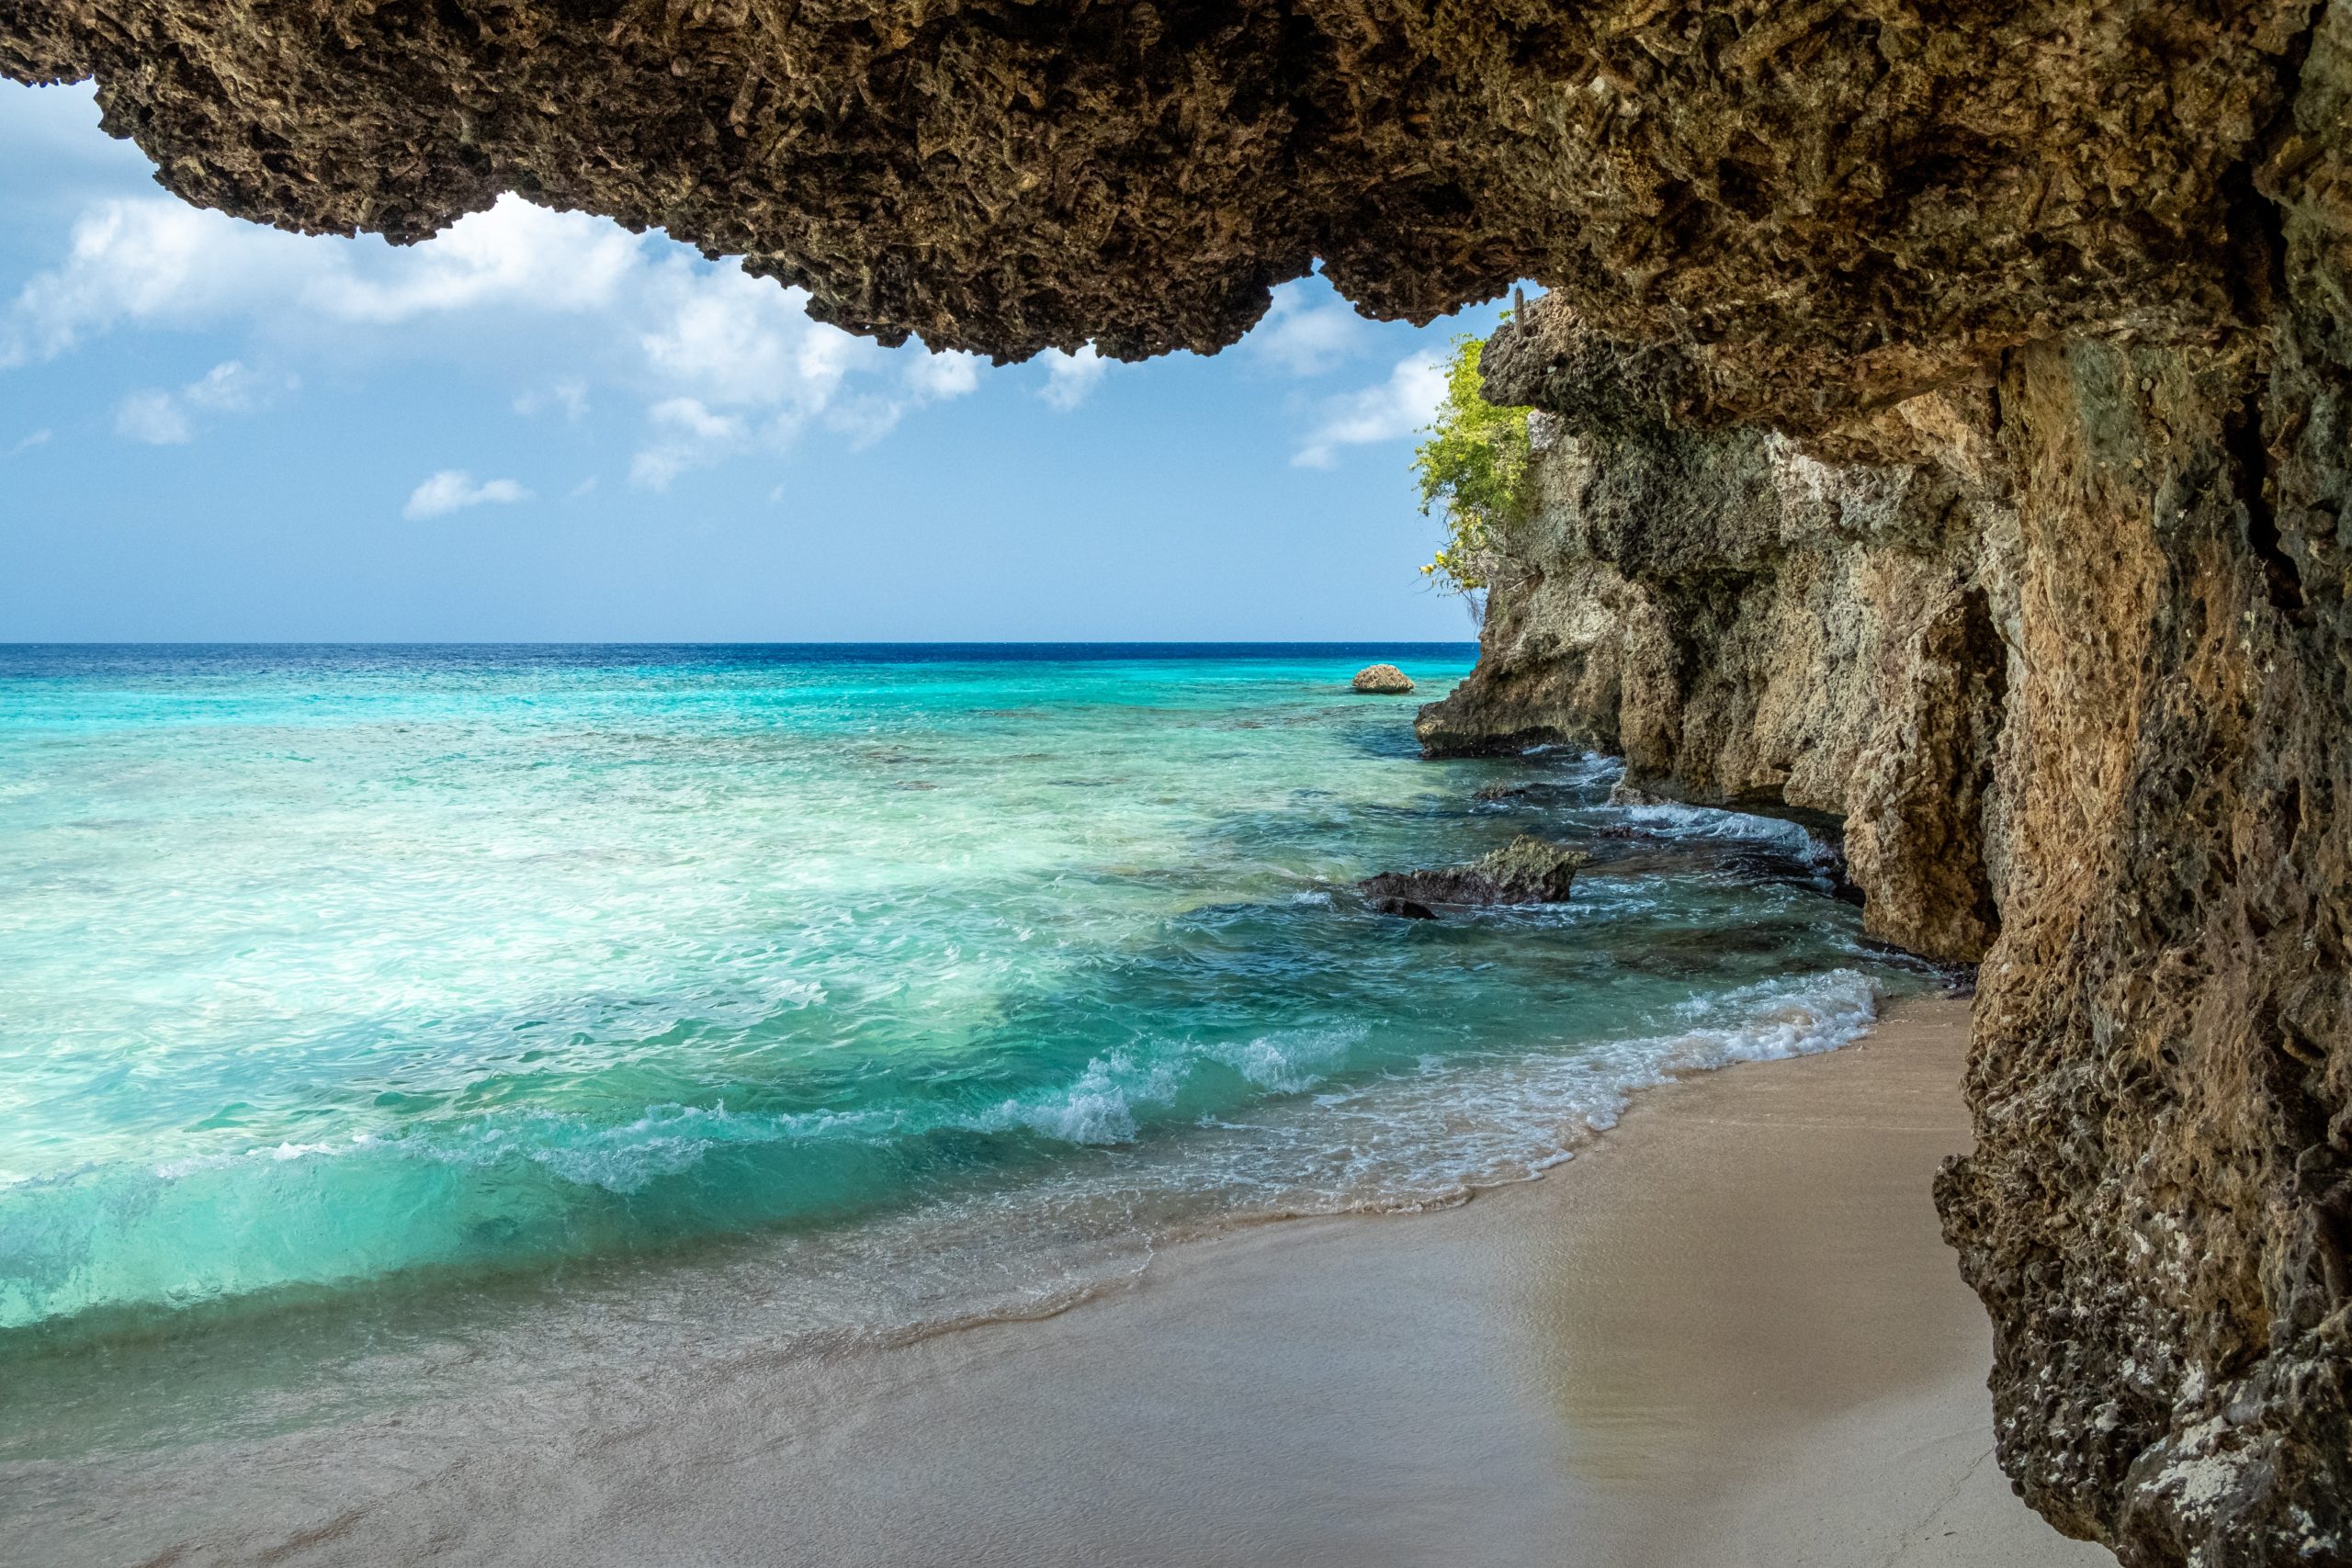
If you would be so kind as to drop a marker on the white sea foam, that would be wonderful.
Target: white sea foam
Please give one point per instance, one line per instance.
(421, 962)
(1405, 1139)
(1098, 1107)
(1426, 1137)
(1456, 1125)
(1291, 1062)
(1674, 821)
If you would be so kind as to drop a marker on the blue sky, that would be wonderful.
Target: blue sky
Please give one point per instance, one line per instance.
(540, 427)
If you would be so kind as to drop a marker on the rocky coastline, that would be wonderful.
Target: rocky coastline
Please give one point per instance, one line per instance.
(2023, 647)
(1754, 628)
(1528, 870)
(1949, 421)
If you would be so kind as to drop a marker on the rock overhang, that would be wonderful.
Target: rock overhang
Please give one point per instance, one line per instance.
(1832, 203)
(2109, 238)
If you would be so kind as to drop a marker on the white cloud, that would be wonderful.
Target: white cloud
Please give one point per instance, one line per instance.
(570, 394)
(37, 438)
(230, 388)
(161, 418)
(735, 340)
(687, 434)
(864, 418)
(751, 370)
(937, 377)
(127, 261)
(1070, 379)
(1307, 340)
(1389, 410)
(514, 254)
(154, 417)
(576, 301)
(453, 490)
(160, 262)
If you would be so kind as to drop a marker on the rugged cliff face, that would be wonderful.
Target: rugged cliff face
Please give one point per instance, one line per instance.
(2067, 658)
(1952, 436)
(1751, 627)
(2156, 1211)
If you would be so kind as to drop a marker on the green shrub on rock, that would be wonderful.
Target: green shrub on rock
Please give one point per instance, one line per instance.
(1473, 468)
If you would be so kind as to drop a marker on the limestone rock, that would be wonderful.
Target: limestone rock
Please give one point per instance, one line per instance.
(1954, 411)
(1752, 628)
(2072, 659)
(1745, 178)
(1385, 680)
(1528, 870)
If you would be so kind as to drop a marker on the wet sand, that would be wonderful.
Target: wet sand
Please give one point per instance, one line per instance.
(1726, 1335)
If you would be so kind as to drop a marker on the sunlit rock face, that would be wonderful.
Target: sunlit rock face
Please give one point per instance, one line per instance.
(1752, 628)
(2068, 657)
(1952, 435)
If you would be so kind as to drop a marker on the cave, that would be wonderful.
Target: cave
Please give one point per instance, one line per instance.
(1948, 409)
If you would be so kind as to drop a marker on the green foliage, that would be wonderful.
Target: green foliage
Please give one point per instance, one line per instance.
(1472, 469)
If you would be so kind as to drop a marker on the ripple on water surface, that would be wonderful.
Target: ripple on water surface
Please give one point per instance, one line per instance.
(942, 975)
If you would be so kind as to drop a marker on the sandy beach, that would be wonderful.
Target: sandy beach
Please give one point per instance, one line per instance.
(1726, 1333)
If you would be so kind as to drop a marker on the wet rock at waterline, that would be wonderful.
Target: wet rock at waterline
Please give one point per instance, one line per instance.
(1528, 870)
(1407, 908)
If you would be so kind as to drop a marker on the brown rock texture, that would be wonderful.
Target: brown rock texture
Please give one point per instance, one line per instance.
(2070, 659)
(1528, 870)
(1754, 628)
(2155, 1211)
(1860, 197)
(1383, 680)
(1951, 434)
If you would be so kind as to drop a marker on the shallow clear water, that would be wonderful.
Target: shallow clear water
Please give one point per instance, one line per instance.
(324, 966)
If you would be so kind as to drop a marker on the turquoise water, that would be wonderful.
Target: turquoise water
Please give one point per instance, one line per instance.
(325, 967)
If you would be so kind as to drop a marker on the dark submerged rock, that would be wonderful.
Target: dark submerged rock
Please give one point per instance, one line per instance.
(1406, 908)
(1528, 870)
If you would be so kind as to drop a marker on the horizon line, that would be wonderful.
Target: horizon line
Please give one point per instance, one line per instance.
(739, 642)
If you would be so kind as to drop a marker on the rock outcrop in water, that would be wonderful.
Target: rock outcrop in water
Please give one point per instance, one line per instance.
(1383, 680)
(1953, 428)
(1528, 870)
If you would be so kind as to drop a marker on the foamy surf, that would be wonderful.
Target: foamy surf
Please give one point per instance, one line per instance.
(630, 960)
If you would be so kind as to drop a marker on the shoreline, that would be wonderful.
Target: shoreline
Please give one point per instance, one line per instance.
(1725, 1333)
(1829, 1409)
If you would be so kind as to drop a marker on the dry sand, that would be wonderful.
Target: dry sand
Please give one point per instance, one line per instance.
(1728, 1335)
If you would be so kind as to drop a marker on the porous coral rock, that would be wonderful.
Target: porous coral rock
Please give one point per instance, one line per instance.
(2071, 659)
(1835, 201)
(1528, 870)
(1752, 628)
(1958, 410)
